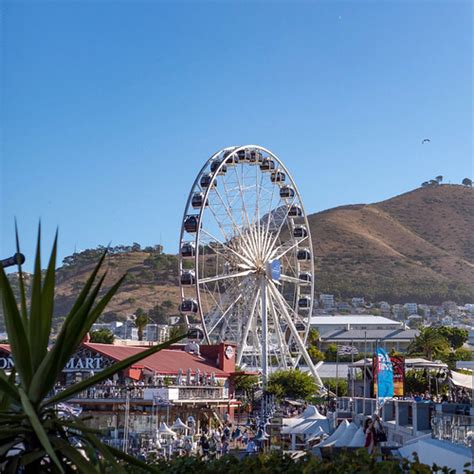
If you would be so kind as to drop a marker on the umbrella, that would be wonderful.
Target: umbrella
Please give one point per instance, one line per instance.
(196, 376)
(179, 379)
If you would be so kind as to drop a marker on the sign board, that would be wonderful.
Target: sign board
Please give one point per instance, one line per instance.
(75, 364)
(383, 375)
(229, 352)
(274, 270)
(163, 393)
(398, 363)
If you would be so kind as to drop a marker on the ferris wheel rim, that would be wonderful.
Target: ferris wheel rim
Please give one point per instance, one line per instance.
(297, 198)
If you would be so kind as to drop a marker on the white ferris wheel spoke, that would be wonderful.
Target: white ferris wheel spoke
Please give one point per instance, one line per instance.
(224, 314)
(225, 277)
(291, 279)
(294, 331)
(286, 250)
(276, 322)
(230, 249)
(248, 324)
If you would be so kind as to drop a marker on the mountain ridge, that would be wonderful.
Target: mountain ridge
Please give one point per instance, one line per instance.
(416, 246)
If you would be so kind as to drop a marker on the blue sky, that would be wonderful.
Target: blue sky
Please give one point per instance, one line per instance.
(108, 109)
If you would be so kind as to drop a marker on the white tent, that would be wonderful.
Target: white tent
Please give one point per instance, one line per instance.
(336, 435)
(441, 452)
(164, 429)
(312, 413)
(358, 440)
(179, 425)
(462, 380)
(347, 436)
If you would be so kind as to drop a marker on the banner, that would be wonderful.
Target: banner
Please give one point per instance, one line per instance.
(398, 364)
(383, 375)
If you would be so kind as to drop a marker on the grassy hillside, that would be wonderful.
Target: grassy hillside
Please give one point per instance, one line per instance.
(414, 247)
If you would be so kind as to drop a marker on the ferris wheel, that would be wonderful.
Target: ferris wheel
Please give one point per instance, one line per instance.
(246, 263)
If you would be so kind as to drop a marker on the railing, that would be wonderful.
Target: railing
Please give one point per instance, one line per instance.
(458, 429)
(141, 392)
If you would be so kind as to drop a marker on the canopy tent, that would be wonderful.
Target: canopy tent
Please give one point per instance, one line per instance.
(336, 435)
(358, 440)
(179, 425)
(306, 427)
(312, 413)
(462, 380)
(164, 429)
(346, 437)
(440, 452)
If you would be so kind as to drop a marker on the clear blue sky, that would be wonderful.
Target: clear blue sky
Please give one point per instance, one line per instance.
(108, 109)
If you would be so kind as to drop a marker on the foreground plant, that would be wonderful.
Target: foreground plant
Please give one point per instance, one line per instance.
(34, 437)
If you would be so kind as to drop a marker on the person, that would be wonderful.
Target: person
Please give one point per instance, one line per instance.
(369, 433)
(380, 435)
(251, 448)
(205, 446)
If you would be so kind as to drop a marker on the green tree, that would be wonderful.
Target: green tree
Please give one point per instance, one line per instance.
(177, 329)
(457, 355)
(455, 336)
(158, 314)
(467, 182)
(104, 336)
(331, 353)
(431, 343)
(439, 179)
(246, 384)
(291, 384)
(140, 321)
(44, 441)
(315, 354)
(342, 386)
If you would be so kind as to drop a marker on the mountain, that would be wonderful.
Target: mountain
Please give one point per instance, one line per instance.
(414, 247)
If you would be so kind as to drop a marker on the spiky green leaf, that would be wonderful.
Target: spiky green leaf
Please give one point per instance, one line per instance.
(38, 428)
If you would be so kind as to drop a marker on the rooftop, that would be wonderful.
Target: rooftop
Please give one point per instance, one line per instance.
(371, 334)
(352, 319)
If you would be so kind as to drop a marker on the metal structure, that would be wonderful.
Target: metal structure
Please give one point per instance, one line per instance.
(246, 264)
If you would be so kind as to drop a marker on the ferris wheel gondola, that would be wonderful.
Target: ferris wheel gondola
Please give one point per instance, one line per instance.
(246, 266)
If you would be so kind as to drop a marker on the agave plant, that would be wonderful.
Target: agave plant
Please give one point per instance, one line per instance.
(34, 437)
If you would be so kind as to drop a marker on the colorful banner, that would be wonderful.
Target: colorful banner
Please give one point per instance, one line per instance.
(383, 375)
(398, 364)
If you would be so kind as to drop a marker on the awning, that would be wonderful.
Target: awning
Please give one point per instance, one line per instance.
(462, 380)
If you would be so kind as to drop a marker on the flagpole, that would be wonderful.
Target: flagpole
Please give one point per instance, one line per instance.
(365, 369)
(337, 372)
(352, 363)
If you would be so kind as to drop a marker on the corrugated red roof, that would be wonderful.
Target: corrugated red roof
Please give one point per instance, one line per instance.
(167, 361)
(5, 347)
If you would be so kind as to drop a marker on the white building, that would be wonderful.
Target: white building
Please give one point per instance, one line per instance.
(326, 324)
(358, 302)
(327, 301)
(412, 308)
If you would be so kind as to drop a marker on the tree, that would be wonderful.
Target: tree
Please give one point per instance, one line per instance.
(456, 337)
(158, 314)
(177, 329)
(245, 384)
(430, 343)
(291, 384)
(44, 440)
(467, 182)
(439, 179)
(331, 353)
(140, 321)
(315, 354)
(104, 336)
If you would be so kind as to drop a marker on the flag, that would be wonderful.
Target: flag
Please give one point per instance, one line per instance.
(347, 350)
(383, 375)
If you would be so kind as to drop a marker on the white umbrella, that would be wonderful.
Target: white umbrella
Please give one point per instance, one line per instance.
(188, 377)
(179, 380)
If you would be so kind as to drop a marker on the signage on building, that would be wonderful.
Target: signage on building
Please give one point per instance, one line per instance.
(75, 364)
(6, 363)
(229, 352)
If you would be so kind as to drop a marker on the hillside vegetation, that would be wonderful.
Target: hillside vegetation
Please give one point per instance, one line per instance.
(414, 247)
